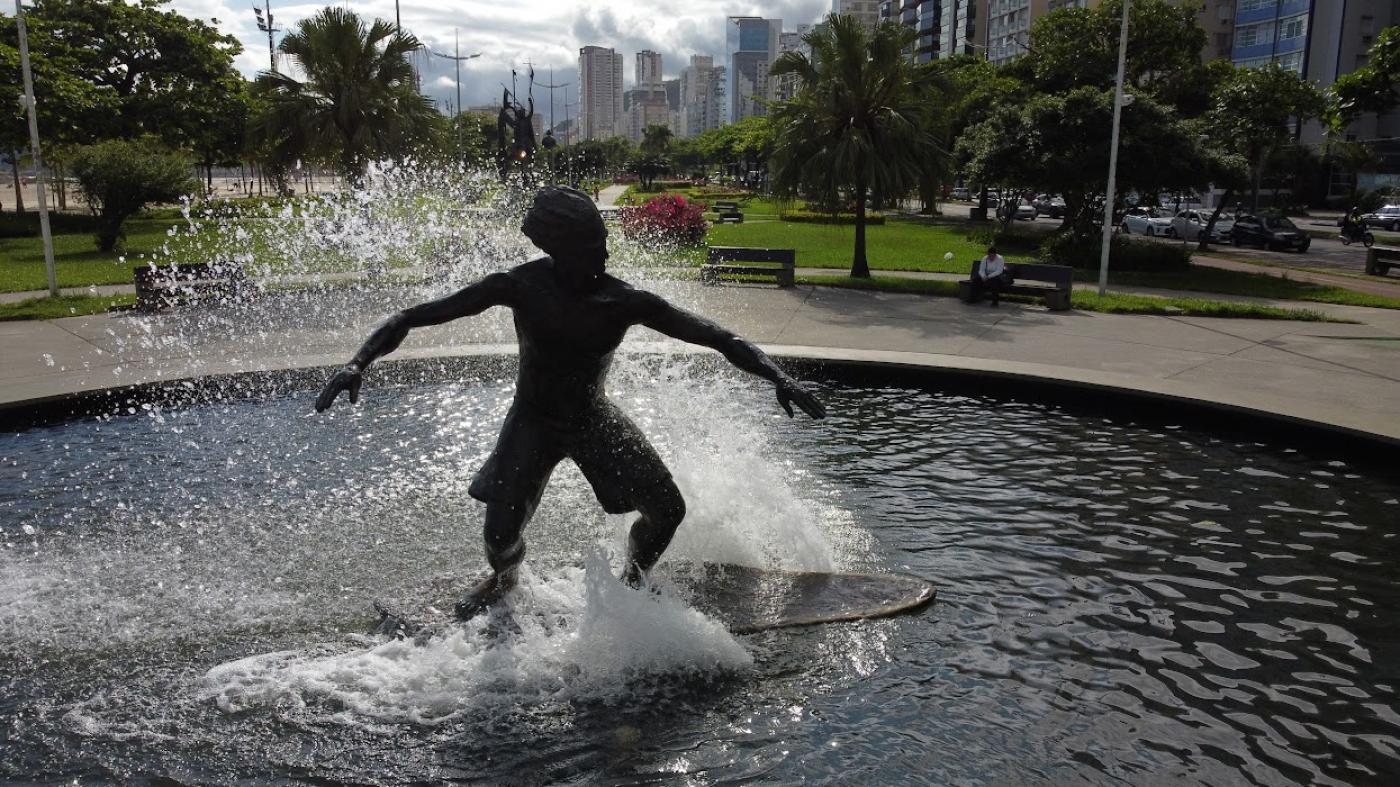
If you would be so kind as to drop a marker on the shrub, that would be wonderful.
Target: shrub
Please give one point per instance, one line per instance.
(1012, 239)
(119, 178)
(1065, 248)
(668, 219)
(812, 217)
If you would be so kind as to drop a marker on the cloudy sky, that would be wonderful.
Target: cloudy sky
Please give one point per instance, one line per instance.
(508, 33)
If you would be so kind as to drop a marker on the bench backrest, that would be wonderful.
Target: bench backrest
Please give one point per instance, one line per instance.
(726, 206)
(1385, 252)
(146, 276)
(1062, 275)
(787, 257)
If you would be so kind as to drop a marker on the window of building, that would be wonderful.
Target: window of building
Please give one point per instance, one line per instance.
(1255, 5)
(1296, 27)
(1292, 61)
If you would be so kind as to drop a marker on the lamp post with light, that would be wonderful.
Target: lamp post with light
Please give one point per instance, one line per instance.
(458, 57)
(1113, 151)
(265, 25)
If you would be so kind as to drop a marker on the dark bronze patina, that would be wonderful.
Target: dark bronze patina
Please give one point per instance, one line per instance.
(570, 316)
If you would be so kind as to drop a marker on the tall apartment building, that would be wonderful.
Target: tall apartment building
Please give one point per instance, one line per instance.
(702, 86)
(786, 85)
(648, 68)
(867, 11)
(646, 104)
(945, 27)
(600, 92)
(751, 46)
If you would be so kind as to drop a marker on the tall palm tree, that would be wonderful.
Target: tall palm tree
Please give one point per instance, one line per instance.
(359, 101)
(853, 126)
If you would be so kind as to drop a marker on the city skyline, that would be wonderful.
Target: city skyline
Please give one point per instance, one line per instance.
(551, 39)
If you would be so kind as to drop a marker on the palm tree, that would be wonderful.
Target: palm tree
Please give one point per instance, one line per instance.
(853, 126)
(359, 101)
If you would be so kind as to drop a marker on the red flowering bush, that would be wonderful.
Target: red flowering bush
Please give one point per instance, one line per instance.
(668, 219)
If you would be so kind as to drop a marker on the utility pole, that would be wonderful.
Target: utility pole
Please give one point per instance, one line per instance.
(265, 25)
(458, 57)
(1113, 152)
(551, 87)
(28, 101)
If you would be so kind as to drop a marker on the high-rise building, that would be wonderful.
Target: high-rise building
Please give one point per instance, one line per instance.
(701, 96)
(646, 103)
(648, 70)
(600, 92)
(785, 86)
(751, 46)
(867, 11)
(945, 27)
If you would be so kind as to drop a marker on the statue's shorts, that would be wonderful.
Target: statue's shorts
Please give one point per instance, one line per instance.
(612, 452)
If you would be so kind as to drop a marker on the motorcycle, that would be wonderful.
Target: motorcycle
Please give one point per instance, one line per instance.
(1351, 234)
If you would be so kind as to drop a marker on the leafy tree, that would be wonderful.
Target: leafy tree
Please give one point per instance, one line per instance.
(359, 101)
(1060, 144)
(1078, 47)
(853, 125)
(64, 99)
(119, 178)
(1370, 88)
(656, 139)
(969, 91)
(1254, 111)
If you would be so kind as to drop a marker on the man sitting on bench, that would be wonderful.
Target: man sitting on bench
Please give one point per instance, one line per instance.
(989, 273)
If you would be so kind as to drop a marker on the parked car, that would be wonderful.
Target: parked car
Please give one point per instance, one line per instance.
(1189, 223)
(1269, 232)
(1146, 221)
(962, 193)
(1388, 217)
(1024, 211)
(1051, 205)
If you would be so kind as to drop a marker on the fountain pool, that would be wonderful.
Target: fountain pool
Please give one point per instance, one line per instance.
(186, 591)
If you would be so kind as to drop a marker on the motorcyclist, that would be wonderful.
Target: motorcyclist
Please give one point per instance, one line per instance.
(1352, 225)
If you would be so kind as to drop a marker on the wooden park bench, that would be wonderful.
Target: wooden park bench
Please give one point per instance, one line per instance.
(728, 213)
(737, 261)
(1378, 259)
(1051, 282)
(163, 286)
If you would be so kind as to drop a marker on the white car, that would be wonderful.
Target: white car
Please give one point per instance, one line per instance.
(1387, 217)
(1189, 223)
(1146, 221)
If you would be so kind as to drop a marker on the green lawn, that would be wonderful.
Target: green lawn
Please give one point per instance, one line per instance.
(893, 246)
(63, 306)
(1086, 301)
(77, 261)
(1254, 285)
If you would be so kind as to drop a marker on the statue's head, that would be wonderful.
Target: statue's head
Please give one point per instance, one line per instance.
(567, 226)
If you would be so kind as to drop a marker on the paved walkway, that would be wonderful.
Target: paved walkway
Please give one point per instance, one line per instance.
(1347, 376)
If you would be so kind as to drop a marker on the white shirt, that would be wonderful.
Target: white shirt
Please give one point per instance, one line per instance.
(993, 266)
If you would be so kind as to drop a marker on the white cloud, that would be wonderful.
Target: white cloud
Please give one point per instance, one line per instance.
(510, 33)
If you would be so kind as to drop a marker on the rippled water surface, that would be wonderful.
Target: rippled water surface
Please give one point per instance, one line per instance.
(184, 596)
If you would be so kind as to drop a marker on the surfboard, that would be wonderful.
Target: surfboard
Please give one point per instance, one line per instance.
(746, 599)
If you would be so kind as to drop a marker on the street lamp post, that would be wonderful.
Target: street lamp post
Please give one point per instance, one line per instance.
(265, 25)
(458, 57)
(1113, 152)
(28, 101)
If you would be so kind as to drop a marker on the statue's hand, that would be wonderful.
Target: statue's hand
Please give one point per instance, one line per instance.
(790, 391)
(347, 379)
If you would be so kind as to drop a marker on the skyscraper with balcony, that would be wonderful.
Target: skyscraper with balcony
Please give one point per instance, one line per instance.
(599, 92)
(750, 47)
(944, 27)
(866, 11)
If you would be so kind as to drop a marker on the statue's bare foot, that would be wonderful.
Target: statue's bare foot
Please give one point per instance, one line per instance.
(484, 595)
(633, 577)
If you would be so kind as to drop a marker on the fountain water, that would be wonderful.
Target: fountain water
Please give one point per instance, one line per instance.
(184, 591)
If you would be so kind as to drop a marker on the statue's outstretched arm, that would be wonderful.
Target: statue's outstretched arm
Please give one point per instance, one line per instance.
(494, 290)
(680, 324)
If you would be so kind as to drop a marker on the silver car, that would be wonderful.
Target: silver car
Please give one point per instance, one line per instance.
(1189, 223)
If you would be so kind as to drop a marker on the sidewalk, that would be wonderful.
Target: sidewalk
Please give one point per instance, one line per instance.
(1346, 376)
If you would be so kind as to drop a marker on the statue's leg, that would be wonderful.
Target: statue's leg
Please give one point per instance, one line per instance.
(505, 550)
(662, 508)
(511, 484)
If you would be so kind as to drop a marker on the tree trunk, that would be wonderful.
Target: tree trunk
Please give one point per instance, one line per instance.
(860, 268)
(1204, 240)
(1258, 181)
(19, 193)
(62, 183)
